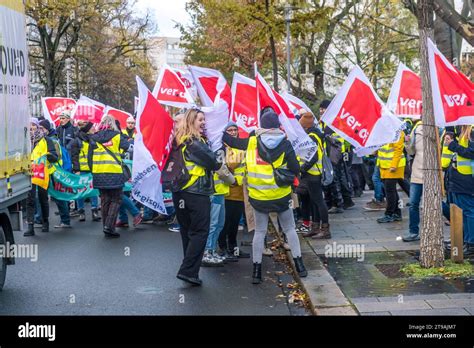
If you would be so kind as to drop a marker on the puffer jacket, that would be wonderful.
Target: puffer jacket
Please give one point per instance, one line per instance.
(399, 173)
(199, 152)
(106, 180)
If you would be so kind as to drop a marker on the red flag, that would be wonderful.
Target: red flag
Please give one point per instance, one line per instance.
(295, 104)
(216, 96)
(244, 109)
(151, 149)
(88, 110)
(301, 142)
(54, 106)
(453, 95)
(170, 89)
(119, 115)
(405, 96)
(359, 115)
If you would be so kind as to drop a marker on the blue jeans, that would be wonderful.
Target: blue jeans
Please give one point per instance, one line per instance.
(148, 213)
(94, 203)
(447, 206)
(217, 221)
(466, 203)
(416, 190)
(127, 204)
(63, 208)
(378, 185)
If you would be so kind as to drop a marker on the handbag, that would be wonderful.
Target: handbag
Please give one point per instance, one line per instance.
(127, 174)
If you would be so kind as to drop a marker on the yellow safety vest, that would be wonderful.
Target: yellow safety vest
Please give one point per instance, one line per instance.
(463, 165)
(103, 162)
(220, 186)
(317, 167)
(260, 178)
(446, 154)
(234, 156)
(341, 140)
(195, 171)
(385, 157)
(124, 131)
(40, 150)
(83, 154)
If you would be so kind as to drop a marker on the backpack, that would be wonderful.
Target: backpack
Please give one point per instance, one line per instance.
(335, 149)
(175, 174)
(327, 172)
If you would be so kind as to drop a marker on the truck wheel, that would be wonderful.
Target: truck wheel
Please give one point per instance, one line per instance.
(3, 261)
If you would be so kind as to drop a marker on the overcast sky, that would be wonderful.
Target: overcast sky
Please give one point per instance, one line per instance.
(166, 13)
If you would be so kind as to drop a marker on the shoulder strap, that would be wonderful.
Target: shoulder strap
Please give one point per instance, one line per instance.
(111, 153)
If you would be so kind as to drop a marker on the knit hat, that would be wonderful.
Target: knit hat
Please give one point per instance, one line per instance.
(45, 124)
(34, 120)
(66, 114)
(307, 120)
(231, 124)
(325, 104)
(269, 120)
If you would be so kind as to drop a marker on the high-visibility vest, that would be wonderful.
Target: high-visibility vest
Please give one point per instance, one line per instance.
(317, 167)
(40, 150)
(341, 140)
(103, 162)
(220, 187)
(124, 131)
(446, 155)
(234, 155)
(195, 171)
(385, 157)
(83, 157)
(463, 165)
(260, 178)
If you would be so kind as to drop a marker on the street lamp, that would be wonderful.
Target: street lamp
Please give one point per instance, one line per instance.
(288, 47)
(68, 69)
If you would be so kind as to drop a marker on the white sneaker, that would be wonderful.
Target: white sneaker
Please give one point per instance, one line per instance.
(210, 261)
(217, 256)
(267, 252)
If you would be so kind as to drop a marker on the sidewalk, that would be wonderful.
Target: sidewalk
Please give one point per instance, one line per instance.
(356, 272)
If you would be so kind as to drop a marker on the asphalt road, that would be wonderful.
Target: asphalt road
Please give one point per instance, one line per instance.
(79, 272)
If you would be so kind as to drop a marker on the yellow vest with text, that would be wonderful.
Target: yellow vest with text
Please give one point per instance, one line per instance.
(385, 157)
(317, 167)
(124, 131)
(463, 165)
(83, 163)
(446, 154)
(195, 171)
(260, 178)
(40, 150)
(103, 162)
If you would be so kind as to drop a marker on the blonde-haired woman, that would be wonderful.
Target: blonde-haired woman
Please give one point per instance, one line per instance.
(461, 182)
(107, 173)
(192, 202)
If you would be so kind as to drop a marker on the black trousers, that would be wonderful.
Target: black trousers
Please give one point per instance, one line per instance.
(233, 213)
(358, 178)
(319, 207)
(193, 212)
(391, 194)
(110, 201)
(340, 191)
(30, 204)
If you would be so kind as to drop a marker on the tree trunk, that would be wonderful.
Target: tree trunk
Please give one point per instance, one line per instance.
(274, 53)
(431, 236)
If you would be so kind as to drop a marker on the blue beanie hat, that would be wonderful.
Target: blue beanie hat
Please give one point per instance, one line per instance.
(269, 120)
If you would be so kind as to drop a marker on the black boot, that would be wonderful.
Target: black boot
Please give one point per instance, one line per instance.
(30, 232)
(300, 268)
(110, 233)
(257, 273)
(45, 227)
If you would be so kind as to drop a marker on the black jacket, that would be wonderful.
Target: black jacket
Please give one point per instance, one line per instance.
(276, 205)
(76, 146)
(460, 183)
(198, 152)
(106, 180)
(66, 134)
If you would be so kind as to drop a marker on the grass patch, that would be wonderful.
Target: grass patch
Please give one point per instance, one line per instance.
(449, 271)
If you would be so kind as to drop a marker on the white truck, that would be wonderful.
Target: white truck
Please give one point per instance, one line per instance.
(15, 146)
